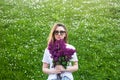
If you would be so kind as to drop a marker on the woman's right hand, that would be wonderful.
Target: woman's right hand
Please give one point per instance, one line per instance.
(59, 69)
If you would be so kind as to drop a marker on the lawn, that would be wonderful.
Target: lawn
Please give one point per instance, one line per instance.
(94, 30)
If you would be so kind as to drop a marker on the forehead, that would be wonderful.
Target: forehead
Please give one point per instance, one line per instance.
(60, 28)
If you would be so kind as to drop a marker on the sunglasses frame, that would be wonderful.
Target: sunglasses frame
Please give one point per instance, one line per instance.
(56, 32)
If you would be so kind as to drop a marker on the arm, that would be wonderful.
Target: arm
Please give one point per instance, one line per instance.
(73, 68)
(46, 70)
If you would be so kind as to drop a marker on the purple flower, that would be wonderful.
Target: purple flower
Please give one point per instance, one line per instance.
(60, 54)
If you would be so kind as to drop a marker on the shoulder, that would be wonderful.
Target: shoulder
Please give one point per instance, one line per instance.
(46, 51)
(70, 46)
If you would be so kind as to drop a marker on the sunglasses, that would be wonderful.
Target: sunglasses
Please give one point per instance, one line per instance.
(61, 32)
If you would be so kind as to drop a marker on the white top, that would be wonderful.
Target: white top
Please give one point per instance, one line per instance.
(47, 59)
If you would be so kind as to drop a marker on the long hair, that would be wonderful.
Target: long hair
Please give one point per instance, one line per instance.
(51, 37)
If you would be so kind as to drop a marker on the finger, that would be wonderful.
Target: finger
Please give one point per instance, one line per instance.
(58, 71)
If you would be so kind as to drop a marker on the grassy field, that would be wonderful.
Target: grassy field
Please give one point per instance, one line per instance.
(94, 29)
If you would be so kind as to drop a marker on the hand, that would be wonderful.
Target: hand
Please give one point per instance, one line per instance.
(60, 67)
(56, 71)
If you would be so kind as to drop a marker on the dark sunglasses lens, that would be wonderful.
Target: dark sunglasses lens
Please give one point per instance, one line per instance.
(56, 32)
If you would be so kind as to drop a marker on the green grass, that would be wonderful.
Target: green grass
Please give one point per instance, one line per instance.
(94, 29)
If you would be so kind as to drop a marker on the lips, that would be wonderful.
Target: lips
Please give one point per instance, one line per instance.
(58, 38)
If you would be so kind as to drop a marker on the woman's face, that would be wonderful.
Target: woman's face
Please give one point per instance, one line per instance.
(59, 33)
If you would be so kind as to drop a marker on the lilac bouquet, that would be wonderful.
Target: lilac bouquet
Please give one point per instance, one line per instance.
(60, 54)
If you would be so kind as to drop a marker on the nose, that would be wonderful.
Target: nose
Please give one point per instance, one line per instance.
(59, 33)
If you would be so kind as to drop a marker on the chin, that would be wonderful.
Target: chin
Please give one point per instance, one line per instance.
(57, 39)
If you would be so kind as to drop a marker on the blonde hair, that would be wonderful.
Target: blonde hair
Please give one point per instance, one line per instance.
(51, 37)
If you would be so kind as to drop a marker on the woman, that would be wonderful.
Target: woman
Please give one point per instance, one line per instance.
(58, 32)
